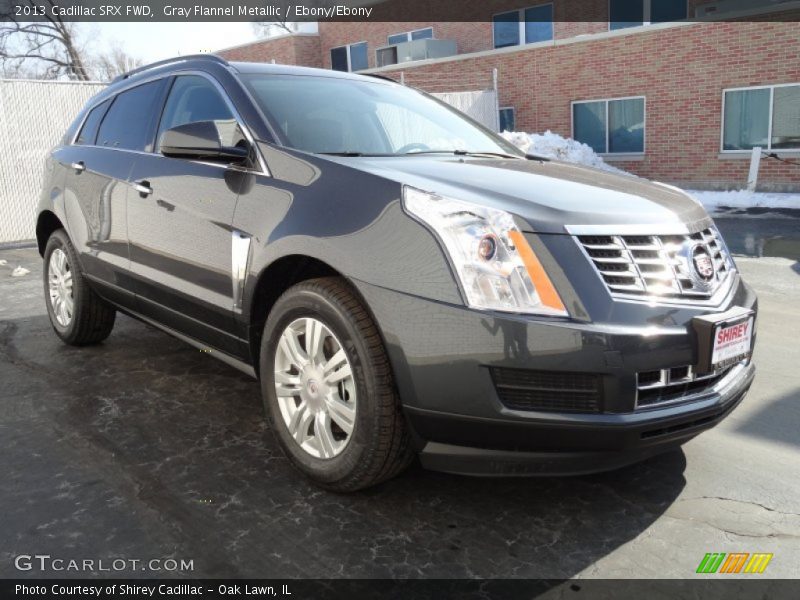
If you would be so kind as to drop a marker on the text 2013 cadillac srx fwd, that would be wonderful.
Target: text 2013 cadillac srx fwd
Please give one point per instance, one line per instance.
(401, 280)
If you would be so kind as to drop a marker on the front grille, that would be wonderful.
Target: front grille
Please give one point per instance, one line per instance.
(678, 384)
(520, 389)
(659, 265)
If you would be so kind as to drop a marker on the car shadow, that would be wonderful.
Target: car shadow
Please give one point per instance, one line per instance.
(144, 447)
(776, 421)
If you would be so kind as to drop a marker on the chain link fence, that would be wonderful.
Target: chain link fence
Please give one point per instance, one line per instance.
(33, 117)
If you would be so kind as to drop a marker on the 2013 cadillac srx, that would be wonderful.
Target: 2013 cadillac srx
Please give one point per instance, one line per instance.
(401, 280)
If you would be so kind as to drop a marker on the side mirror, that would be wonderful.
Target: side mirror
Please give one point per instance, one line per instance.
(199, 140)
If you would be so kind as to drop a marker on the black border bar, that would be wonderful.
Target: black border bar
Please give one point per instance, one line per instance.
(361, 10)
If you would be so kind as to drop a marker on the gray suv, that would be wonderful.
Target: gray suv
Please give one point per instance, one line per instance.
(402, 281)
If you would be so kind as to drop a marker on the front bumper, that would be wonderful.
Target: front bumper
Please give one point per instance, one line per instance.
(442, 356)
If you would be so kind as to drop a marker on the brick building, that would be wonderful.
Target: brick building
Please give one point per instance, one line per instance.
(677, 101)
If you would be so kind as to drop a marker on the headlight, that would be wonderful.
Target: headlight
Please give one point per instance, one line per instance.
(497, 267)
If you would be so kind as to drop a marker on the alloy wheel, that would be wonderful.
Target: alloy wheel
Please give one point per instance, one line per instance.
(59, 280)
(315, 388)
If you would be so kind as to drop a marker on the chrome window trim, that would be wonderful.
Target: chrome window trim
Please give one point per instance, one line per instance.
(236, 115)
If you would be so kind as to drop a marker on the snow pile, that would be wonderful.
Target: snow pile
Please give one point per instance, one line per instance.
(714, 201)
(19, 272)
(552, 145)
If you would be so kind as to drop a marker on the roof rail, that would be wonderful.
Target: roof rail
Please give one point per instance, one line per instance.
(378, 76)
(168, 61)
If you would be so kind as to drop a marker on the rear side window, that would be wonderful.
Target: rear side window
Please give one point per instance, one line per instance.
(194, 98)
(130, 121)
(88, 132)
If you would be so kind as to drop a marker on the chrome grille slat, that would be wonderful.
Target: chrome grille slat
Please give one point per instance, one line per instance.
(658, 265)
(664, 386)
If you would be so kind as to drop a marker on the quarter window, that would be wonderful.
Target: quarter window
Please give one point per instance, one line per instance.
(350, 58)
(408, 36)
(635, 13)
(194, 98)
(767, 117)
(88, 133)
(130, 121)
(610, 126)
(525, 26)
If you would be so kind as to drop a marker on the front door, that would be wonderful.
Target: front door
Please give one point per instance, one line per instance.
(179, 224)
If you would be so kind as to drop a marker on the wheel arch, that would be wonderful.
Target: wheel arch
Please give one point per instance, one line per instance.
(279, 276)
(46, 224)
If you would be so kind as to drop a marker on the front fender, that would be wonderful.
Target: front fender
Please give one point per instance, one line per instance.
(348, 219)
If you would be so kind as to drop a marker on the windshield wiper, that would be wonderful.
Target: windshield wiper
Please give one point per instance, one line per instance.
(461, 153)
(348, 153)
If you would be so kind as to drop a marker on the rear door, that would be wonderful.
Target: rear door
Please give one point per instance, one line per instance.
(179, 223)
(95, 194)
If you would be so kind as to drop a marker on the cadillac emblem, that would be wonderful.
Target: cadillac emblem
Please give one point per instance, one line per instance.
(703, 263)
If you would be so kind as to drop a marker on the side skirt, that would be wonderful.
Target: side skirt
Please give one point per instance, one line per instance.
(226, 358)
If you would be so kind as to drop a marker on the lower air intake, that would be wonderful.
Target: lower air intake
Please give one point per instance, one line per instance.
(556, 391)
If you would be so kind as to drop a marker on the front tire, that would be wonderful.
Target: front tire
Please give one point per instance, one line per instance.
(328, 388)
(78, 315)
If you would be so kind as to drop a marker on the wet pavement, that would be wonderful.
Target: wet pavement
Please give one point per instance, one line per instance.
(768, 233)
(144, 448)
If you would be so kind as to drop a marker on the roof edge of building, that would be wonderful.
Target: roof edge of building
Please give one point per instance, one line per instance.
(266, 40)
(733, 17)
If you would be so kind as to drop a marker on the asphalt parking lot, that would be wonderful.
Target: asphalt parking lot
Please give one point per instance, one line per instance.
(143, 448)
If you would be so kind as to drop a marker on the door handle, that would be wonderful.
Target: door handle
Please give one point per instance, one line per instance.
(143, 187)
(79, 167)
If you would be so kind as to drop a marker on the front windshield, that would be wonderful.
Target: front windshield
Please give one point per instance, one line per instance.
(329, 115)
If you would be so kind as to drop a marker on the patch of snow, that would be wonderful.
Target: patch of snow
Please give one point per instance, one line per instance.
(19, 272)
(3, 263)
(554, 146)
(718, 201)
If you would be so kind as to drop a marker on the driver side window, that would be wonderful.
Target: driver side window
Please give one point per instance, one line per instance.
(194, 98)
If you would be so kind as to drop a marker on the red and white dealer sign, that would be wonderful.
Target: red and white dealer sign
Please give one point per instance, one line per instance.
(732, 341)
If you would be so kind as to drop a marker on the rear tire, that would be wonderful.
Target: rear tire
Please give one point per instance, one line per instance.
(376, 447)
(78, 315)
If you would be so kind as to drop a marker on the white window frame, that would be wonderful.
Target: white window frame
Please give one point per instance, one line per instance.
(521, 12)
(771, 89)
(513, 112)
(607, 100)
(646, 14)
(408, 35)
(349, 62)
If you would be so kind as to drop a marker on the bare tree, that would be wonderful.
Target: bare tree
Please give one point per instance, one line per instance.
(281, 23)
(50, 48)
(114, 62)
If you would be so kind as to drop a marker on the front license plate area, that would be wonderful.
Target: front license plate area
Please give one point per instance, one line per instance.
(723, 340)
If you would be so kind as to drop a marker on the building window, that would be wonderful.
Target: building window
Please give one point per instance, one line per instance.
(614, 126)
(350, 58)
(767, 117)
(507, 119)
(635, 13)
(408, 36)
(524, 26)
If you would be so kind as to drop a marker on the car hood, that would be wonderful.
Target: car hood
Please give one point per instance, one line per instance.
(548, 195)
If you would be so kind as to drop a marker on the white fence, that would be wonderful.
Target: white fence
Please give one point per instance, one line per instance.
(33, 117)
(474, 94)
(480, 105)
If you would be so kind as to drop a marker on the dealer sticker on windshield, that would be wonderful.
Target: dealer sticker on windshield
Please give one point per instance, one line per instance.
(732, 342)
